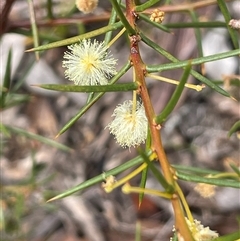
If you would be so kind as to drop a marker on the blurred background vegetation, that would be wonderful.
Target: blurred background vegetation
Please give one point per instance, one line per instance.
(35, 167)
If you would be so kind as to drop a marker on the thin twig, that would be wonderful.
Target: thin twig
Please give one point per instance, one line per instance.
(4, 16)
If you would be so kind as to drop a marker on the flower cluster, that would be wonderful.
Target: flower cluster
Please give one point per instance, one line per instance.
(129, 125)
(157, 16)
(201, 233)
(89, 63)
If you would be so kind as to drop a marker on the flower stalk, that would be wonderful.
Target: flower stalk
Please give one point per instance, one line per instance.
(127, 188)
(109, 186)
(175, 82)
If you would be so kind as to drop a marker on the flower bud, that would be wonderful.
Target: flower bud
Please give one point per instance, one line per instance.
(86, 6)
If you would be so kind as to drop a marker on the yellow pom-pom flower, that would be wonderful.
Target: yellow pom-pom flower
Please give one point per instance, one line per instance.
(89, 63)
(130, 124)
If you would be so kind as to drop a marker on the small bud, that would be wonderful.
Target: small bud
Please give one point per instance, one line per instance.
(86, 6)
(234, 23)
(157, 16)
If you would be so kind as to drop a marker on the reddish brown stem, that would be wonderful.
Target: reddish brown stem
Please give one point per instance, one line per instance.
(4, 15)
(140, 71)
(57, 22)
